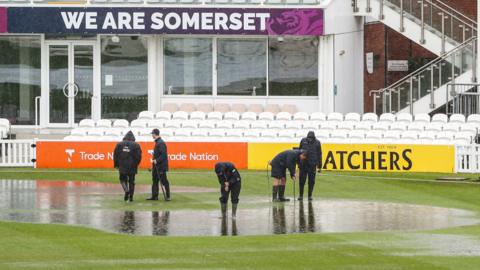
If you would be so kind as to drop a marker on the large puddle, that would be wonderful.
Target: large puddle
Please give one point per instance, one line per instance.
(79, 203)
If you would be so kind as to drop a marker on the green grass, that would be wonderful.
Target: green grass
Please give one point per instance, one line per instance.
(34, 246)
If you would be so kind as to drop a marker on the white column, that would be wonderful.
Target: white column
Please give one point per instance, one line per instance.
(478, 42)
(152, 73)
(326, 67)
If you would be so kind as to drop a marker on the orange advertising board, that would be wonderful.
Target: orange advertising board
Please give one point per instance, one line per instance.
(192, 155)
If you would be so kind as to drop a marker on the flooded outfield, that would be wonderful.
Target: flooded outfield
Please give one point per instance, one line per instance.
(85, 203)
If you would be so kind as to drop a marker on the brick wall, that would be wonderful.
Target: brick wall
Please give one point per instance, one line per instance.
(387, 44)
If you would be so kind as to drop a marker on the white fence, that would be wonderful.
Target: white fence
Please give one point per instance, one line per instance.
(467, 158)
(17, 153)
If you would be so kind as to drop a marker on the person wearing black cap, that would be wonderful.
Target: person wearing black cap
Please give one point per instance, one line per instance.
(126, 157)
(285, 160)
(308, 167)
(230, 182)
(159, 167)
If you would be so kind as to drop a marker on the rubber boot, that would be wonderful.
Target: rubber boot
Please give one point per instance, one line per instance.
(310, 191)
(224, 210)
(131, 188)
(167, 192)
(281, 194)
(234, 210)
(275, 194)
(125, 189)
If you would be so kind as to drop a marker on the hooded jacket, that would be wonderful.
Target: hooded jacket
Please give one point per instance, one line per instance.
(314, 149)
(287, 160)
(127, 155)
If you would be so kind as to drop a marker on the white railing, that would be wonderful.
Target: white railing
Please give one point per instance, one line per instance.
(17, 153)
(467, 158)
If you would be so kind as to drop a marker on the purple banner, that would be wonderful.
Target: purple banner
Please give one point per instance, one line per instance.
(220, 21)
(3, 20)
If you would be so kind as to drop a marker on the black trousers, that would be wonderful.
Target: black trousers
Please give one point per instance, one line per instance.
(233, 189)
(127, 178)
(307, 170)
(162, 178)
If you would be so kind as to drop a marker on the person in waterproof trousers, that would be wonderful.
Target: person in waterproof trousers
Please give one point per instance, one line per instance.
(285, 160)
(230, 182)
(159, 167)
(126, 157)
(309, 166)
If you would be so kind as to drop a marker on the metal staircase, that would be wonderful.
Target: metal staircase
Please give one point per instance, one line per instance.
(438, 28)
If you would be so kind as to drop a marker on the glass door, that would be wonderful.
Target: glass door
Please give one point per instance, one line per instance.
(70, 81)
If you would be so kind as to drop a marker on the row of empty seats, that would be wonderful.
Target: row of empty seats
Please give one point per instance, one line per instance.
(224, 108)
(259, 135)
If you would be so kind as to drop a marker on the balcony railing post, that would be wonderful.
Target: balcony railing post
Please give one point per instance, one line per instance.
(432, 88)
(355, 5)
(411, 95)
(422, 37)
(402, 27)
(382, 15)
(443, 33)
(369, 7)
(474, 60)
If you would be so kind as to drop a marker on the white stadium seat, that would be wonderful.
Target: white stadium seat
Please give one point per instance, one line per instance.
(301, 116)
(445, 138)
(180, 115)
(121, 123)
(387, 118)
(463, 138)
(166, 133)
(173, 124)
(357, 135)
(363, 126)
(383, 126)
(217, 133)
(197, 115)
(290, 108)
(156, 123)
(223, 108)
(369, 117)
(242, 124)
(170, 107)
(200, 133)
(404, 118)
(249, 116)
(346, 125)
(335, 116)
(440, 118)
(79, 132)
(183, 132)
(163, 115)
(225, 124)
(434, 126)
(457, 118)
(402, 126)
(266, 116)
(187, 107)
(474, 118)
(321, 134)
(422, 117)
(146, 115)
(318, 116)
(286, 134)
(417, 126)
(329, 125)
(273, 108)
(392, 136)
(231, 116)
(239, 108)
(256, 108)
(190, 124)
(252, 133)
(210, 124)
(311, 125)
(339, 136)
(294, 125)
(98, 132)
(283, 116)
(215, 116)
(269, 134)
(410, 135)
(86, 123)
(428, 136)
(204, 107)
(469, 127)
(139, 123)
(373, 136)
(234, 133)
(113, 133)
(354, 117)
(104, 123)
(261, 124)
(452, 126)
(276, 125)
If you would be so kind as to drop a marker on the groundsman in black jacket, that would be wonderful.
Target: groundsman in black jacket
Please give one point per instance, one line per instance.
(126, 157)
(288, 159)
(230, 182)
(159, 167)
(309, 166)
